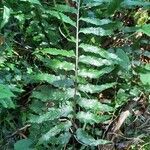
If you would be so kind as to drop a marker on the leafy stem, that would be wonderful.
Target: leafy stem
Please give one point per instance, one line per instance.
(76, 69)
(77, 48)
(77, 58)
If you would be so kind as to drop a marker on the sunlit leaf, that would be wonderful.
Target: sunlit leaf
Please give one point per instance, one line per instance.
(98, 62)
(57, 81)
(145, 29)
(93, 73)
(32, 1)
(65, 8)
(91, 118)
(64, 126)
(94, 105)
(86, 139)
(97, 50)
(46, 93)
(54, 51)
(48, 116)
(125, 61)
(96, 21)
(145, 78)
(90, 88)
(96, 31)
(61, 17)
(6, 15)
(133, 3)
(5, 96)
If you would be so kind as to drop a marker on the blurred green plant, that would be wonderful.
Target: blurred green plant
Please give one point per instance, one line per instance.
(61, 74)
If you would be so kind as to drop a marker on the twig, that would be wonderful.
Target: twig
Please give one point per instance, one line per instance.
(144, 145)
(19, 130)
(144, 124)
(128, 138)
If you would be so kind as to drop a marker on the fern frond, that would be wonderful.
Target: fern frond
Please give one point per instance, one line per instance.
(90, 88)
(55, 52)
(61, 17)
(6, 96)
(48, 116)
(64, 126)
(94, 105)
(103, 53)
(98, 62)
(57, 64)
(46, 93)
(94, 3)
(96, 31)
(93, 73)
(57, 81)
(91, 118)
(86, 139)
(65, 8)
(132, 3)
(95, 21)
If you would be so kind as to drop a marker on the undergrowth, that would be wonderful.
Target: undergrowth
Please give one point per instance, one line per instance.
(74, 75)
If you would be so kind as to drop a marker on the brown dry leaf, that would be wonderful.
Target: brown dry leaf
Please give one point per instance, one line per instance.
(123, 116)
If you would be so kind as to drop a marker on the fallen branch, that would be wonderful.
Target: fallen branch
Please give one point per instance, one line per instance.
(19, 130)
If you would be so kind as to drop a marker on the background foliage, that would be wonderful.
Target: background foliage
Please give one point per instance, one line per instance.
(74, 74)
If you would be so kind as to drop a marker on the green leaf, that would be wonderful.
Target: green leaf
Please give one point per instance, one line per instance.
(63, 139)
(121, 98)
(133, 3)
(57, 81)
(96, 21)
(144, 73)
(61, 17)
(145, 78)
(145, 29)
(125, 61)
(114, 5)
(94, 3)
(97, 50)
(6, 15)
(5, 92)
(24, 144)
(64, 126)
(65, 8)
(55, 52)
(57, 64)
(43, 77)
(94, 105)
(83, 137)
(130, 29)
(64, 83)
(32, 1)
(7, 103)
(94, 61)
(91, 118)
(48, 116)
(67, 109)
(93, 73)
(46, 93)
(5, 96)
(90, 88)
(96, 31)
(91, 48)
